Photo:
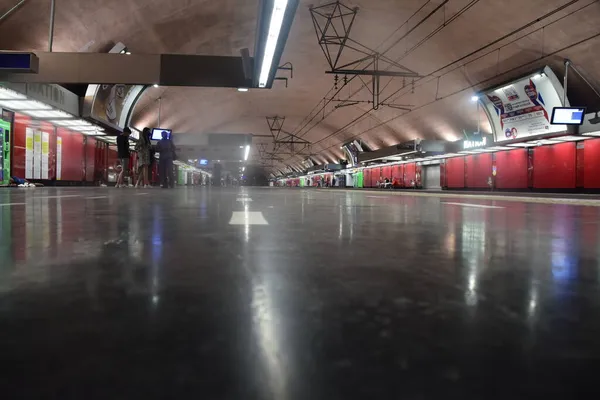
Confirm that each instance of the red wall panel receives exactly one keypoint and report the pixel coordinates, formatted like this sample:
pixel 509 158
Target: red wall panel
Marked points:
pixel 374 177
pixel 410 174
pixel 478 169
pixel 366 177
pixel 554 167
pixel 398 174
pixel 511 169
pixel 90 158
pixel 387 172
pixel 591 164
pixel 73 164
pixel 579 156
pixel 17 166
pixel 455 172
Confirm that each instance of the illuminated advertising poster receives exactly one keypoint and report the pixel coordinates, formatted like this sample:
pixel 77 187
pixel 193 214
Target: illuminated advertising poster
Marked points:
pixel 523 108
pixel 111 104
pixel 58 158
pixel 29 153
pixel 45 154
pixel 37 154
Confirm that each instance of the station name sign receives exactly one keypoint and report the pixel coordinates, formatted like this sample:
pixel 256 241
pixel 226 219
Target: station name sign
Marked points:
pixel 473 144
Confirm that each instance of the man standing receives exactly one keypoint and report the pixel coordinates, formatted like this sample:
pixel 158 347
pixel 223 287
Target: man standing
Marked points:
pixel 166 149
pixel 123 152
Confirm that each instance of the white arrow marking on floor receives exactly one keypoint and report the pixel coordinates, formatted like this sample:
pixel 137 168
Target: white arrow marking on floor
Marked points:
pixel 471 205
pixel 13 204
pixel 242 200
pixel 247 218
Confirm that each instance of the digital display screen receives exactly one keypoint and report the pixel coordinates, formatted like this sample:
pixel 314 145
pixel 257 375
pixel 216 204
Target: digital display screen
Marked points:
pixel 157 133
pixel 203 162
pixel 567 116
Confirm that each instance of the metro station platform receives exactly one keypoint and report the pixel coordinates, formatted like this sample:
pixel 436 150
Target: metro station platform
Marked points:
pixel 258 293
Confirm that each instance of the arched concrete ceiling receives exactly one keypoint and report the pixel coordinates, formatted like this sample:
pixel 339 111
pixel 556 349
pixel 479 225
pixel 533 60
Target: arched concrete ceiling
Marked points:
pixel 533 33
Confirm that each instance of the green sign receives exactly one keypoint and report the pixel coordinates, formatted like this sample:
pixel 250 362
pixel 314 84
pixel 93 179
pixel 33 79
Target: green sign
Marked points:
pixel 4 152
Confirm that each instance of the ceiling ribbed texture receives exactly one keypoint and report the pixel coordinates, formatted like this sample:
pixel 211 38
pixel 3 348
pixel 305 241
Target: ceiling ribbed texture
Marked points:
pixel 464 46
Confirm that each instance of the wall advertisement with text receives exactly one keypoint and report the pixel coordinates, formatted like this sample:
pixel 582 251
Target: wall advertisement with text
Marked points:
pixel 523 108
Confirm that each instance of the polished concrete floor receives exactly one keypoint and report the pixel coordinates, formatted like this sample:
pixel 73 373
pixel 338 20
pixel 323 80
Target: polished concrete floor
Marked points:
pixel 295 294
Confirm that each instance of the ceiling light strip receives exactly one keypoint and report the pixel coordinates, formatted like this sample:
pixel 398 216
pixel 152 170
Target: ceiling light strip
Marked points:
pixel 279 7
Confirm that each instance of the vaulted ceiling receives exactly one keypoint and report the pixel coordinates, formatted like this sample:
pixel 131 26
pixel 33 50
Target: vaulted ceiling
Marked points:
pixel 457 46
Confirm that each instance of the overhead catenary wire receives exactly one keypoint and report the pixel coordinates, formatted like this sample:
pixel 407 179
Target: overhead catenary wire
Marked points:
pixel 423 20
pixel 435 76
pixel 583 41
pixel 417 25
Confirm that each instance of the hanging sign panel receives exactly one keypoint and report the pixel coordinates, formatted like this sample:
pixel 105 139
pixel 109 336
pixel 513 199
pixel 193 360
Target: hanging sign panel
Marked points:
pixel 523 109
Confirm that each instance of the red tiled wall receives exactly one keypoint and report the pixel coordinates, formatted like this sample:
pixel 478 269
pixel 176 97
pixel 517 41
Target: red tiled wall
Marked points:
pixel 554 167
pixel 398 174
pixel 591 164
pixel 511 169
pixel 73 163
pixel 90 159
pixel 410 174
pixel 478 168
pixel 455 173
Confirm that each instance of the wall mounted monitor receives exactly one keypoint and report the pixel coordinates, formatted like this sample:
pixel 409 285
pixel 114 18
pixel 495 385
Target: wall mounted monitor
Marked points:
pixel 568 115
pixel 203 162
pixel 157 133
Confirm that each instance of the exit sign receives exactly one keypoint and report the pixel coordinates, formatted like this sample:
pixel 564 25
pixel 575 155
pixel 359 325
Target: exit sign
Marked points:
pixel 12 61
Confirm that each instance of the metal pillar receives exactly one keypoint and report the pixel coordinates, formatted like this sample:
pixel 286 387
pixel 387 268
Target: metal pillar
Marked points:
pixel 51 29
pixel 9 12
pixel 159 107
pixel 566 81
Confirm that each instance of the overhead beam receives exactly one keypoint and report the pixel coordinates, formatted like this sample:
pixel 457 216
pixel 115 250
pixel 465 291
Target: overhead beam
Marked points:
pixel 140 69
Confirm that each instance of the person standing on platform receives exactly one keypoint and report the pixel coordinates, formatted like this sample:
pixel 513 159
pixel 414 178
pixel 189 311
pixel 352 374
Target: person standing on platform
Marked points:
pixel 144 148
pixel 123 153
pixel 166 149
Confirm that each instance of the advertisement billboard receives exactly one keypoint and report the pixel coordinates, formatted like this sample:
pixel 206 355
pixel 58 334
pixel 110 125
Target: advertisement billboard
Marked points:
pixel 523 108
pixel 111 105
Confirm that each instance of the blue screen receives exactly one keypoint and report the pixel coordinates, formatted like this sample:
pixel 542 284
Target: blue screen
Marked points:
pixel 15 61
pixel 203 162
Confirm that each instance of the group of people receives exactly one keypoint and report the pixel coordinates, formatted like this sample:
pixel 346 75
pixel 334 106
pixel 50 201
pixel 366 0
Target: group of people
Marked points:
pixel 146 150
pixel 387 184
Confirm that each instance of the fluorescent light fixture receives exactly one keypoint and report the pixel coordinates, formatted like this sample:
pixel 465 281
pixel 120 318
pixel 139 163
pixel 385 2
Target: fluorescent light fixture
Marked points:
pixel 474 99
pixel 7 94
pixel 242 89
pixel 279 7
pixel 71 122
pixel 20 105
pixel 594 134
pixel 85 128
pixel 128 52
pixel 247 152
pixel 526 144
pixel 571 138
pixel 48 114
